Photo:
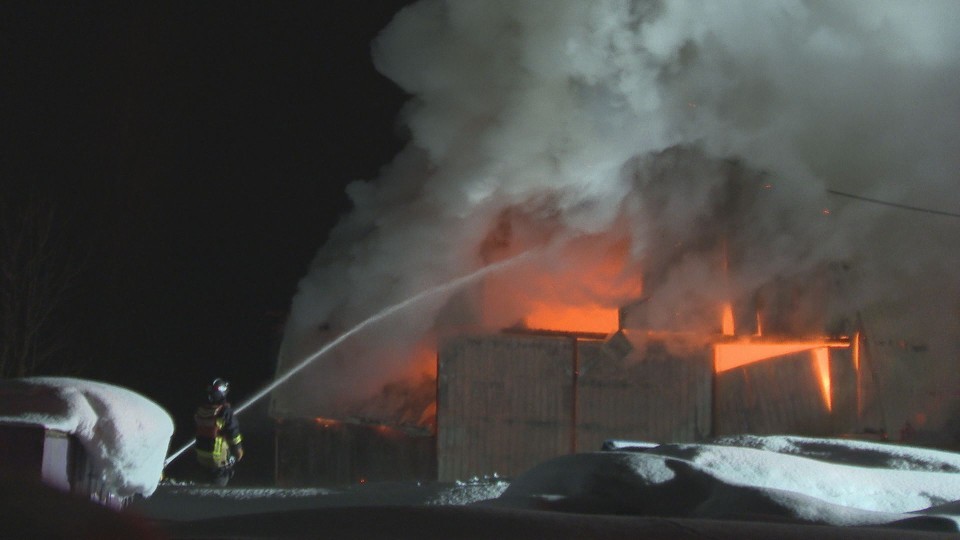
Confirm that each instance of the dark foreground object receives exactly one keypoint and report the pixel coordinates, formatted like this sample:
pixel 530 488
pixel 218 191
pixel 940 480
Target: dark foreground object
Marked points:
pixel 474 522
pixel 29 509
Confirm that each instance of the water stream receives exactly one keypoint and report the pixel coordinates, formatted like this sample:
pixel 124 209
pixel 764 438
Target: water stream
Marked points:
pixel 386 312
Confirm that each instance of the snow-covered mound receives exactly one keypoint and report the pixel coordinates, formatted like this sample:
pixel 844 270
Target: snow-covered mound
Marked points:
pixel 823 481
pixel 469 492
pixel 125 435
pixel 852 452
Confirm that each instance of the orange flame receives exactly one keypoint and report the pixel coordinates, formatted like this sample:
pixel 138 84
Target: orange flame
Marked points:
pixel 821 359
pixel 727 325
pixel 580 289
pixel 729 356
pixel 590 318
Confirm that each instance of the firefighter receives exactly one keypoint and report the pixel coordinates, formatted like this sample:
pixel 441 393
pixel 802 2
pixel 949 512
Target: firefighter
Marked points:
pixel 219 443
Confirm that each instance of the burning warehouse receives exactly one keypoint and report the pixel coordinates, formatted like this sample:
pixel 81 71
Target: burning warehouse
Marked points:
pixel 507 400
pixel 647 200
pixel 560 343
pixel 562 347
pixel 510 400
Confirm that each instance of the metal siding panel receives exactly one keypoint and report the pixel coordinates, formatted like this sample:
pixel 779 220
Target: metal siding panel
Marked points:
pixel 504 398
pixel 310 453
pixel 780 395
pixel 643 395
pixel 843 378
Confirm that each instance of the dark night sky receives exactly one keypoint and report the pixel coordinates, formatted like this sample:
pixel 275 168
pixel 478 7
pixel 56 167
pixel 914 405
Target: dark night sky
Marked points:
pixel 197 153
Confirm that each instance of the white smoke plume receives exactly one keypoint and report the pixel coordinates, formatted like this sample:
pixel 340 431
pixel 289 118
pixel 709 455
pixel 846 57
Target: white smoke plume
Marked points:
pixel 675 130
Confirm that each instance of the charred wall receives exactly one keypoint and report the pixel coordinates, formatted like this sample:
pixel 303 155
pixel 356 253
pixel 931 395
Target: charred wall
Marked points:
pixel 312 452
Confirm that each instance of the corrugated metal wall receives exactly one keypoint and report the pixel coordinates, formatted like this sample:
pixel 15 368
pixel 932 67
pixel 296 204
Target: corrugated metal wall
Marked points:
pixel 779 395
pixel 847 396
pixel 508 402
pixel 312 453
pixel 647 394
pixel 505 403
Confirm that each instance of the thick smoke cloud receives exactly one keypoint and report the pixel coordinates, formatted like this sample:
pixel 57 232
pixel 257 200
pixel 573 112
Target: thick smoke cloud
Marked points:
pixel 688 132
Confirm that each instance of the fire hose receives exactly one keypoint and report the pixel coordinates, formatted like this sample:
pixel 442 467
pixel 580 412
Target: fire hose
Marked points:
pixel 384 313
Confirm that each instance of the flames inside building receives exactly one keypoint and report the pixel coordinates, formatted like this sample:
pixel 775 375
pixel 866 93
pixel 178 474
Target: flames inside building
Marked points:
pixel 564 351
pixel 505 400
pixel 510 400
pixel 671 336
pixel 644 223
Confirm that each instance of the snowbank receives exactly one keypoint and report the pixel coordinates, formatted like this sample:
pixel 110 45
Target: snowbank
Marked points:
pixel 821 481
pixel 735 487
pixel 124 434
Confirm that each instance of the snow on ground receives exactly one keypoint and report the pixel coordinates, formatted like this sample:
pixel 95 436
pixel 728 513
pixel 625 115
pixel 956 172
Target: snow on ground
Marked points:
pixel 851 451
pixel 835 482
pixel 737 480
pixel 125 435
pixel 472 491
pixel 192 502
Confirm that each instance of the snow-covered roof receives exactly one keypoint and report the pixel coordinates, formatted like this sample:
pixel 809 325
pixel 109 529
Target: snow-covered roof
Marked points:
pixel 125 435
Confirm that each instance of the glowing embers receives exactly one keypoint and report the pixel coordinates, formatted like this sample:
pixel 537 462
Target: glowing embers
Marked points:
pixel 367 427
pixel 590 318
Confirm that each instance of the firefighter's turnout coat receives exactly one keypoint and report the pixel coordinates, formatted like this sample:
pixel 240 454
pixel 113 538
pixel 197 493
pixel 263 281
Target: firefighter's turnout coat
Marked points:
pixel 218 435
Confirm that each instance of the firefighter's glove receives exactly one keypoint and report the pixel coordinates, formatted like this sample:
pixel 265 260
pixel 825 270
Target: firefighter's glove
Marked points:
pixel 237 452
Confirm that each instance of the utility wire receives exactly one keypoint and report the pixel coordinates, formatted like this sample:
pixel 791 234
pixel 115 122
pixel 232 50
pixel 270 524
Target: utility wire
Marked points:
pixel 895 205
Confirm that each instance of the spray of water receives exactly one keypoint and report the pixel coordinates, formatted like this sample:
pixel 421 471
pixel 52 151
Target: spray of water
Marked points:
pixel 383 314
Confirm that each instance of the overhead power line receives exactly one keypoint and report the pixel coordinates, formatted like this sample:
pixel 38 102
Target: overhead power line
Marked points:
pixel 893 204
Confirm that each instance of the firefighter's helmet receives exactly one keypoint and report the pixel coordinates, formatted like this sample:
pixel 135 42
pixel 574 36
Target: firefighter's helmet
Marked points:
pixel 217 391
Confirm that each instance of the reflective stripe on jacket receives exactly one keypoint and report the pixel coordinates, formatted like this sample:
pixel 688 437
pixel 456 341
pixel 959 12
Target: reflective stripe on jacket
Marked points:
pixel 217 434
